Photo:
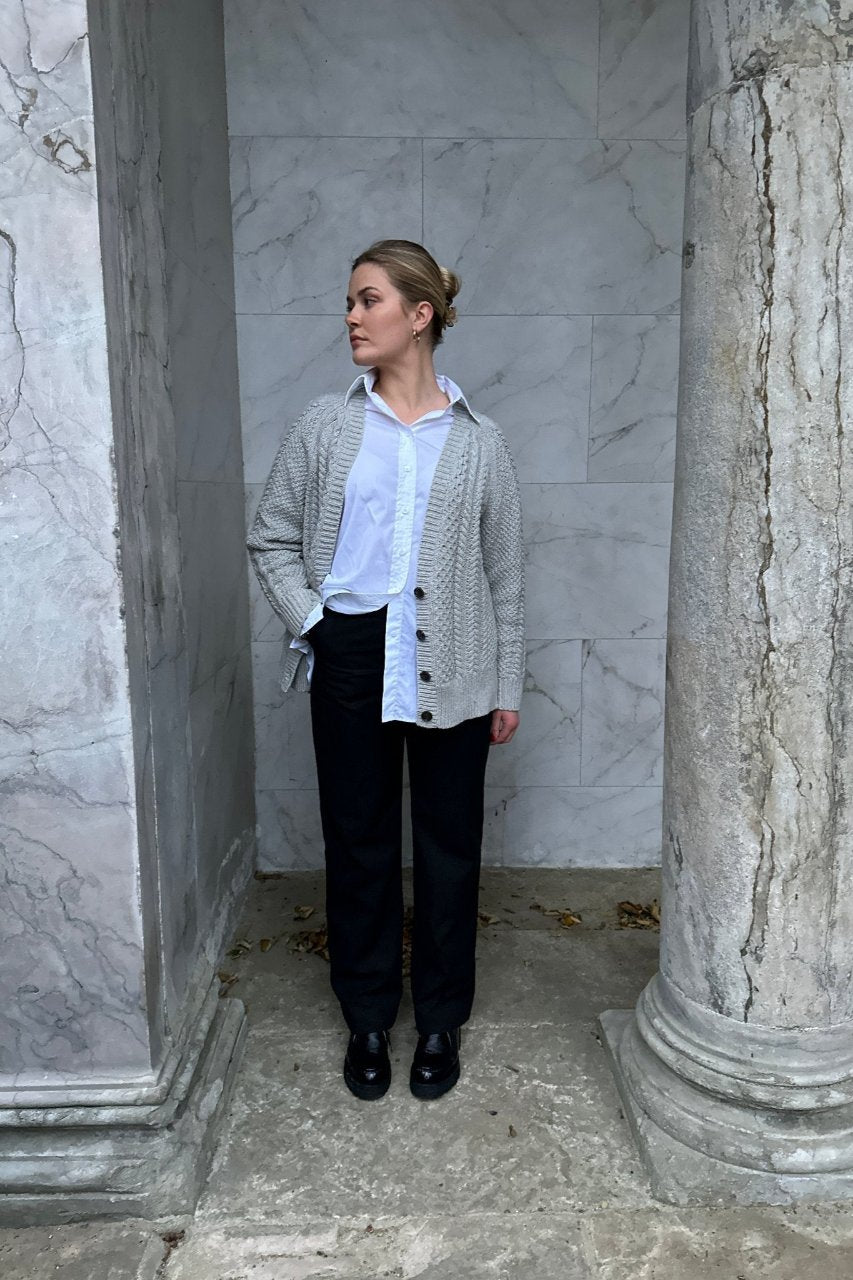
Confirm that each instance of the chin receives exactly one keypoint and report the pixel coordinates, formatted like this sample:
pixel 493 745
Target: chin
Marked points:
pixel 360 356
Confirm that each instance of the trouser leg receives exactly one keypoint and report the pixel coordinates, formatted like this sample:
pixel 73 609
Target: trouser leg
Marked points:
pixel 359 771
pixel 446 773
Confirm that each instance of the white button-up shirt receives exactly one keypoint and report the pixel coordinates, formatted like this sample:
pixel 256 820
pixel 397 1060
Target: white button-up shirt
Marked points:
pixel 376 553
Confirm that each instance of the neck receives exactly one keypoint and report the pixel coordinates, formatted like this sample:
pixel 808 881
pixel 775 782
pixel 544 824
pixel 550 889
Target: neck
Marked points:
pixel 410 383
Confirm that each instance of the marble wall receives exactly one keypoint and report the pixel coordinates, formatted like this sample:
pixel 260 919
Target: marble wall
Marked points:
pixel 188 53
pixel 539 151
pixel 126 744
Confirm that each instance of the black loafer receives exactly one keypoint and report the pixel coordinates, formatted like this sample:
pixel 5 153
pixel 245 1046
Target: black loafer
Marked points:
pixel 367 1067
pixel 435 1066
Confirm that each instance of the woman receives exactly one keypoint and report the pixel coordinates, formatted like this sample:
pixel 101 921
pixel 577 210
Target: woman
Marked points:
pixel 388 540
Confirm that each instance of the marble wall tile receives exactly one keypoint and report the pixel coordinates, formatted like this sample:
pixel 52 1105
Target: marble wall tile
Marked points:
pixel 284 362
pixel 223 771
pixel 303 208
pixel 642 79
pixel 531 374
pixel 623 702
pixel 634 397
pixel 582 827
pixel 214 574
pixel 401 67
pixel 597 559
pixel 289 835
pixel 558 227
pixel 187 49
pixel 204 379
pixel 546 748
pixel 283 743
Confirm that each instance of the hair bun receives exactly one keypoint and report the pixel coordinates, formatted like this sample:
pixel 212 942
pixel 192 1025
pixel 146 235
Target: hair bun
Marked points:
pixel 452 285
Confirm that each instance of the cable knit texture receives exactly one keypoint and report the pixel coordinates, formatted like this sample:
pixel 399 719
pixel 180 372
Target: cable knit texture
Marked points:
pixel 470 563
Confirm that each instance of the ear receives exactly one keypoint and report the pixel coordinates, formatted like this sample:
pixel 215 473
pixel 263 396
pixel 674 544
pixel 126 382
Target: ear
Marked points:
pixel 423 313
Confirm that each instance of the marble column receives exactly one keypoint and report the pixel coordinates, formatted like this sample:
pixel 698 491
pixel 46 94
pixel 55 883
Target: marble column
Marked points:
pixel 116 1052
pixel 736 1068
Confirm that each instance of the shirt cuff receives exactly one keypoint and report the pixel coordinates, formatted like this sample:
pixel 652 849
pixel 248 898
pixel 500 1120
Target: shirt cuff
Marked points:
pixel 313 618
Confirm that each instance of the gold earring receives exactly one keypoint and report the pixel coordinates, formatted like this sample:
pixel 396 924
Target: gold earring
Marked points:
pixel 416 335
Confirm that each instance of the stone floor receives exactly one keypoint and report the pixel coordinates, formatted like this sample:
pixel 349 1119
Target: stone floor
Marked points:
pixel 525 1170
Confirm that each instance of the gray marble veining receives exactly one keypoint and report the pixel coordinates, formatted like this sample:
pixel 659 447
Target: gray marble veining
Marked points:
pixel 597 558
pixel 531 374
pixel 71 987
pixel 303 209
pixel 633 397
pixel 401 68
pixel 622 706
pixel 642 78
pixel 543 227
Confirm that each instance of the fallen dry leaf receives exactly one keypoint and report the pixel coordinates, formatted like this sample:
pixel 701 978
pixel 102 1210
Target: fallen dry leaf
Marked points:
pixel 633 915
pixel 512 1132
pixel 266 943
pixel 485 918
pixel 568 918
pixel 226 980
pixel 241 946
pixel 302 913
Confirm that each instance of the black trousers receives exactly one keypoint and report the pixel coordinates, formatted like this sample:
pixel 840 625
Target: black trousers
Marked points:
pixel 360 773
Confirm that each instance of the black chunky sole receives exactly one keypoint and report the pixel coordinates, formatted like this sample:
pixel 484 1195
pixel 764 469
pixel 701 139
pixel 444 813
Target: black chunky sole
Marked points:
pixel 366 1092
pixel 434 1088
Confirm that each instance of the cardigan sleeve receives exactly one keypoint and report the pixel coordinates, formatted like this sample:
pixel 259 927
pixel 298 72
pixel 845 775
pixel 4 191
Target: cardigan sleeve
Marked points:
pixel 275 539
pixel 501 533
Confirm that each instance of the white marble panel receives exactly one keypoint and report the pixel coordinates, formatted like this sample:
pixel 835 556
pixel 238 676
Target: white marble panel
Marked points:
pixel 544 227
pixel 284 748
pixel 580 826
pixel 284 362
pixel 531 374
pixel 546 748
pixel 517 67
pixel 72 983
pixel 623 698
pixel 303 208
pixel 634 397
pixel 223 772
pixel 597 559
pixel 204 383
pixel 642 87
pixel 187 46
pixel 214 574
pixel 289 834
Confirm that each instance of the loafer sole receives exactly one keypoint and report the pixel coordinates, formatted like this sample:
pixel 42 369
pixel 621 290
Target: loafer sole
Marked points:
pixel 363 1089
pixel 434 1088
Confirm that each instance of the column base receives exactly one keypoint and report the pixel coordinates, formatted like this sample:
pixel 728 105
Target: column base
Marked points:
pixel 680 1174
pixel 121 1161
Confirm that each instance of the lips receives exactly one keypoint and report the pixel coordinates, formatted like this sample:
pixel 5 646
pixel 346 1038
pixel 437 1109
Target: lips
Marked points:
pixel 354 340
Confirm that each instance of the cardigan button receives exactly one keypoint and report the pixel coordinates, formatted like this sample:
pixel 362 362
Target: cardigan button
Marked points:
pixel 425 675
pixel 420 634
pixel 426 715
pixel 419 593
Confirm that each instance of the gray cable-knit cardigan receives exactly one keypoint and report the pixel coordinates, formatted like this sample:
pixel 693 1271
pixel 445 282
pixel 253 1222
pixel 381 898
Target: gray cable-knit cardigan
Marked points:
pixel 470 590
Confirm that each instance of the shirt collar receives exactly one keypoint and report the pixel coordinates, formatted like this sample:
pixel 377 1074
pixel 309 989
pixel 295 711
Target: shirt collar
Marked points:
pixel 367 379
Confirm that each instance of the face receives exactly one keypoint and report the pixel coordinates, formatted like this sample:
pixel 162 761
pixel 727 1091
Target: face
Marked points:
pixel 378 318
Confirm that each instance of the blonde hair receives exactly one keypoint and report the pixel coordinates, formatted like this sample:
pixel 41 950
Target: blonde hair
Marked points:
pixel 417 276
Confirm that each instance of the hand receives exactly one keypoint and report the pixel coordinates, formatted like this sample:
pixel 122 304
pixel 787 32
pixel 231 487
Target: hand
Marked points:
pixel 504 725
